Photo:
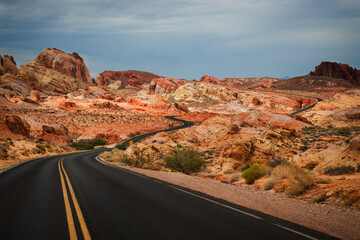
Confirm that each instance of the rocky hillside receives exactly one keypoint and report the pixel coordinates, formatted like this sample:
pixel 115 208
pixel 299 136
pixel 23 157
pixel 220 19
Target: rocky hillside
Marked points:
pixel 238 83
pixel 314 83
pixel 337 70
pixel 124 79
pixel 58 71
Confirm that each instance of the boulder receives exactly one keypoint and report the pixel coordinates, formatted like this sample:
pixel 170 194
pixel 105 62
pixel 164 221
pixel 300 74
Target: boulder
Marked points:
pixel 17 125
pixel 233 129
pixel 56 133
pixel 8 65
pixel 35 96
pixel 256 101
pixel 355 143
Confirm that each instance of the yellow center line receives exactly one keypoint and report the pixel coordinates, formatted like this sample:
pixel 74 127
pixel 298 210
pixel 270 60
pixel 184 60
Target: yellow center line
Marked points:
pixel 80 216
pixel 70 219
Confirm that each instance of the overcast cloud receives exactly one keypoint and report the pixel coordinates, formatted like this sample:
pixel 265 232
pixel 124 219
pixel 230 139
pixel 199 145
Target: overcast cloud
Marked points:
pixel 189 38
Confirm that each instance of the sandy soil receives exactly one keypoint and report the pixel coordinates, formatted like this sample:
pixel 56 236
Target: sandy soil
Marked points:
pixel 335 221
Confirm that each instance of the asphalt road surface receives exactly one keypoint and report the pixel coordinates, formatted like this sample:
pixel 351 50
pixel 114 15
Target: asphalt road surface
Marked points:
pixel 74 196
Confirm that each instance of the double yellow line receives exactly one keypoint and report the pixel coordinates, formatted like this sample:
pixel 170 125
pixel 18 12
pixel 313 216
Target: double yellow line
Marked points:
pixel 69 215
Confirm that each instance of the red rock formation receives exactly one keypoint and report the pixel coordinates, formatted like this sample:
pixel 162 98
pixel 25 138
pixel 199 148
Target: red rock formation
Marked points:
pixel 160 86
pixel 17 126
pixel 71 65
pixel 124 79
pixel 103 105
pixel 8 65
pixel 57 71
pixel 210 79
pixel 337 70
pixel 135 102
pixel 109 137
pixel 267 84
pixel 35 96
pixel 353 114
pixel 256 101
pixel 106 97
pixel 56 134
pixel 355 143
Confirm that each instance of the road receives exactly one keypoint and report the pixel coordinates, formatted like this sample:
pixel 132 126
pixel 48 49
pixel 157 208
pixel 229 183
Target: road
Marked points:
pixel 74 196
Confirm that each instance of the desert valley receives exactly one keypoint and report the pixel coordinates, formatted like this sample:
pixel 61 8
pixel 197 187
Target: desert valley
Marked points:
pixel 297 138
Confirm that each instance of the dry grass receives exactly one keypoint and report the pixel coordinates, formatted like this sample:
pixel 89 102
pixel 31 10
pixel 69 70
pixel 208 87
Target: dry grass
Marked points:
pixel 299 179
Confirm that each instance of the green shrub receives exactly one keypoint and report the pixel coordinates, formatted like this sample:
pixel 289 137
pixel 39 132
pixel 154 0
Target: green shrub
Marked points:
pixel 184 160
pixel 88 144
pixel 122 146
pixel 340 170
pixel 269 185
pixel 253 173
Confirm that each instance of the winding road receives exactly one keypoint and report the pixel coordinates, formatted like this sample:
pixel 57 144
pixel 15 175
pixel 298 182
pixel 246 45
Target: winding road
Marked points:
pixel 74 196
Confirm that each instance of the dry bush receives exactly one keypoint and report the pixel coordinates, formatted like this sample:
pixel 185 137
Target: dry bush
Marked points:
pixel 300 180
pixel 235 177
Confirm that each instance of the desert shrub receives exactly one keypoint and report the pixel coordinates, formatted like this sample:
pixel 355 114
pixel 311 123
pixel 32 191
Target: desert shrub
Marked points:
pixel 300 180
pixel 184 160
pixel 275 161
pixel 349 199
pixel 298 186
pixel 122 146
pixel 254 172
pixel 340 170
pixel 88 144
pixel 286 171
pixel 235 177
pixel 269 185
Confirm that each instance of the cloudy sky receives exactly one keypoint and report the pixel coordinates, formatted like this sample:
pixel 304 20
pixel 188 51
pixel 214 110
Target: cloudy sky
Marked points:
pixel 187 38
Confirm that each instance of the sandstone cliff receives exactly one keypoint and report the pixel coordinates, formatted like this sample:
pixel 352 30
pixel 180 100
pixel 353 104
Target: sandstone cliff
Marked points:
pixel 57 71
pixel 124 79
pixel 337 70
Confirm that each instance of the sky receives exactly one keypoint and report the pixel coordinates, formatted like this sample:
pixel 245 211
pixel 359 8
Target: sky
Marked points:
pixel 187 38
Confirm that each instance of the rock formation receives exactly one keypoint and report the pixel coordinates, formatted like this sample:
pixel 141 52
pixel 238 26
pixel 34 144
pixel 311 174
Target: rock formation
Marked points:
pixel 267 84
pixel 57 71
pixel 160 86
pixel 55 133
pixel 337 70
pixel 124 79
pixel 238 83
pixel 8 65
pixel 13 126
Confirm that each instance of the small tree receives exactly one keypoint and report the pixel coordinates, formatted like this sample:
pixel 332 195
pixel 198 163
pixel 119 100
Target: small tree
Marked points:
pixel 184 160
